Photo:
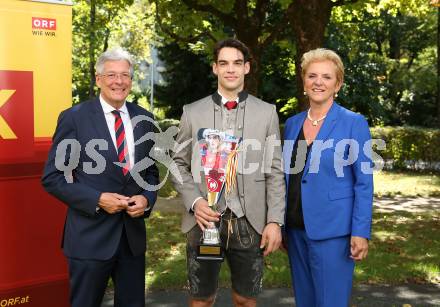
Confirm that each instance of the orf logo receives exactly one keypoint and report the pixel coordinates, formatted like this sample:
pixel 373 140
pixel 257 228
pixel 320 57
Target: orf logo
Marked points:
pixel 44 23
pixel 16 115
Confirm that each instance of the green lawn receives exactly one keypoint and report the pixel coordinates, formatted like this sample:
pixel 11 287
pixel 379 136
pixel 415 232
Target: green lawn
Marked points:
pixel 388 183
pixel 167 190
pixel 404 247
pixel 166 261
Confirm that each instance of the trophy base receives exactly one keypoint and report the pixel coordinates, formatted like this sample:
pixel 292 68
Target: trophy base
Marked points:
pixel 212 252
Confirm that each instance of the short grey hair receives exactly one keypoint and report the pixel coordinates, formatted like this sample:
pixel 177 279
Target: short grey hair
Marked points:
pixel 115 54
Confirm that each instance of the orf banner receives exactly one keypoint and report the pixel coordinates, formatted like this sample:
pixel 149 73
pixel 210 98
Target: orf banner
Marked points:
pixel 35 86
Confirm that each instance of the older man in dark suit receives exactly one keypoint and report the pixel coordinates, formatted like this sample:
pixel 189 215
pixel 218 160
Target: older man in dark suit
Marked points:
pixel 93 167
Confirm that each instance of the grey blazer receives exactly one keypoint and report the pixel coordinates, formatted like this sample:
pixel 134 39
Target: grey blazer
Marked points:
pixel 260 181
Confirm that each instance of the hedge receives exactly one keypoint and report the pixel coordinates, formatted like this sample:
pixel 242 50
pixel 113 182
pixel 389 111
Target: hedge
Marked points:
pixel 409 147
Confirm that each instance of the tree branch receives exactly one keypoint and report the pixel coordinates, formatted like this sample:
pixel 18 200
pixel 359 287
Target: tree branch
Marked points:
pixel 208 8
pixel 343 2
pixel 170 33
pixel 260 9
pixel 241 9
pixel 277 28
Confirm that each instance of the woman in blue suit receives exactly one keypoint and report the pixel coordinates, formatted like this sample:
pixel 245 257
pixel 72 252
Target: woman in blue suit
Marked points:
pixel 327 156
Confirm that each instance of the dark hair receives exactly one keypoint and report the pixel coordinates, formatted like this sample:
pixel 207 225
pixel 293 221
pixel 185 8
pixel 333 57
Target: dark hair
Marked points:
pixel 232 43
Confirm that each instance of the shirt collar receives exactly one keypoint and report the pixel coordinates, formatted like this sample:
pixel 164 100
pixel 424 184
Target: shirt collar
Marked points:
pixel 224 100
pixel 107 108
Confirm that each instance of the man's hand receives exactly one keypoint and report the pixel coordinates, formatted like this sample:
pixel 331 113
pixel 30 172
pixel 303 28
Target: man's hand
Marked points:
pixel 112 202
pixel 204 215
pixel 137 205
pixel 271 238
pixel 359 248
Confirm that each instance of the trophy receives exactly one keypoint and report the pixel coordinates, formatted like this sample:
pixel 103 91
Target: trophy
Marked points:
pixel 217 152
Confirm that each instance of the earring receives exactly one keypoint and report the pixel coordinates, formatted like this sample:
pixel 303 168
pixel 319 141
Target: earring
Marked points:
pixel 336 94
pixel 305 93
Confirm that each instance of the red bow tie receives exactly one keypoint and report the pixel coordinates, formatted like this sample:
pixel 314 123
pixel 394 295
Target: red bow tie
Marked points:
pixel 231 105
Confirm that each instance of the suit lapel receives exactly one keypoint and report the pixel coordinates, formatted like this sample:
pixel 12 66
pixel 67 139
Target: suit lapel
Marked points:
pixel 137 131
pixel 243 123
pixel 329 122
pixel 324 133
pixel 101 129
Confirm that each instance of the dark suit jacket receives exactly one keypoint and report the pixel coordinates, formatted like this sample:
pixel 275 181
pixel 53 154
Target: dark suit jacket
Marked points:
pixel 91 234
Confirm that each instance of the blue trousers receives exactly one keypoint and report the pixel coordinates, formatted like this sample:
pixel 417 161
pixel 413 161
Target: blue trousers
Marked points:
pixel 322 271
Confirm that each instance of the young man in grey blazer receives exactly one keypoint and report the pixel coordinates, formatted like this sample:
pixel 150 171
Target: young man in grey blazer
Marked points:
pixel 250 225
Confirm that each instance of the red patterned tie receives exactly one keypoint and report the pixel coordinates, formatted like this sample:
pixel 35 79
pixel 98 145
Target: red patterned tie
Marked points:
pixel 231 105
pixel 121 142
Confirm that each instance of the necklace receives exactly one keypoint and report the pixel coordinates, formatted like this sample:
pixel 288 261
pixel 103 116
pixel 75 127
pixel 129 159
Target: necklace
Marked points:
pixel 314 122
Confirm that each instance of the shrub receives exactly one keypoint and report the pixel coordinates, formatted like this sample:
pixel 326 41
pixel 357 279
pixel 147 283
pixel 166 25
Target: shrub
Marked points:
pixel 409 147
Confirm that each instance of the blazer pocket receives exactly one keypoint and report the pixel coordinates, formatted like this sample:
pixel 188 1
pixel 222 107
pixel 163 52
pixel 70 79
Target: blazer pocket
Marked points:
pixel 260 179
pixel 341 193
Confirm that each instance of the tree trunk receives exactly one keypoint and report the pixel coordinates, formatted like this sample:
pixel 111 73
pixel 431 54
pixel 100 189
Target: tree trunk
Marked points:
pixel 438 67
pixel 395 37
pixel 309 21
pixel 253 78
pixel 248 30
pixel 92 48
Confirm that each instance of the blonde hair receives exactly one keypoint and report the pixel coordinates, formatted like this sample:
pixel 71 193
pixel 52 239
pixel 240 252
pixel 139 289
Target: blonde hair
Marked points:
pixel 319 55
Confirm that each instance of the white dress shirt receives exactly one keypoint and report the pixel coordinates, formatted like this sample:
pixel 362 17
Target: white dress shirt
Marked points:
pixel 110 119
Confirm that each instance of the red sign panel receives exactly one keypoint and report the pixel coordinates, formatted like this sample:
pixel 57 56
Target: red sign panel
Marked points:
pixel 16 115
pixel 44 23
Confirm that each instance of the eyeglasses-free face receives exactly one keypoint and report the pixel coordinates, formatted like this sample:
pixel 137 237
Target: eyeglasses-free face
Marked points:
pixel 230 70
pixel 115 82
pixel 320 82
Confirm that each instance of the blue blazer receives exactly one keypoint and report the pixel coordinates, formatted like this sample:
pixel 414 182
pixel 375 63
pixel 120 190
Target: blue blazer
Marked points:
pixel 91 234
pixel 336 186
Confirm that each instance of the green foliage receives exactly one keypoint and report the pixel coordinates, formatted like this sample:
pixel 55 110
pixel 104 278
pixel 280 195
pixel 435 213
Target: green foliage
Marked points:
pixel 278 77
pixel 188 77
pixel 407 146
pixel 126 23
pixel 196 25
pixel 388 46
pixel 389 50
